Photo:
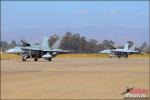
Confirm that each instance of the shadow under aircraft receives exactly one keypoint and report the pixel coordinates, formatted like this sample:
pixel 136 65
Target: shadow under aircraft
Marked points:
pixel 28 50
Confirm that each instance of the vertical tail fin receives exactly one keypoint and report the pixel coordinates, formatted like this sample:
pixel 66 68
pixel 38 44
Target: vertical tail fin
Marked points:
pixel 45 43
pixel 126 47
pixel 56 45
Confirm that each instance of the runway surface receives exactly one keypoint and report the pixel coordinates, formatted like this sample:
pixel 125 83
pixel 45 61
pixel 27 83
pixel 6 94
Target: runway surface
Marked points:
pixel 73 78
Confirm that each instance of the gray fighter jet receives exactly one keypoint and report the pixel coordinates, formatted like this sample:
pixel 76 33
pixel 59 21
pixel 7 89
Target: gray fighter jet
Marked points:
pixel 121 52
pixel 28 50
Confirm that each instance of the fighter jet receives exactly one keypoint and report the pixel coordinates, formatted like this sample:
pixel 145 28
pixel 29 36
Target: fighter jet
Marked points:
pixel 121 52
pixel 28 50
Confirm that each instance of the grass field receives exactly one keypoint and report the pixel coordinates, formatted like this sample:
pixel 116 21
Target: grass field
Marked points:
pixel 15 56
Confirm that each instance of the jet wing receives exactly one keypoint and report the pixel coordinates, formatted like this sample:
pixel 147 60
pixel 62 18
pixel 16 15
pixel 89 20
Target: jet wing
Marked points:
pixel 58 50
pixel 134 52
pixel 125 51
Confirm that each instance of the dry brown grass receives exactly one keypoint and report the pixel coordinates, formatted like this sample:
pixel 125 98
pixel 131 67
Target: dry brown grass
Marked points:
pixel 84 55
pixel 15 56
pixel 9 56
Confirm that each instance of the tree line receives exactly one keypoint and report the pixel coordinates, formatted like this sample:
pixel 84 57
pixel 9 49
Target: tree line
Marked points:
pixel 80 44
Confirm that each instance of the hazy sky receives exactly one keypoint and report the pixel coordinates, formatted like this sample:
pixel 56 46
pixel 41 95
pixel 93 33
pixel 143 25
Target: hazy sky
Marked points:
pixel 113 20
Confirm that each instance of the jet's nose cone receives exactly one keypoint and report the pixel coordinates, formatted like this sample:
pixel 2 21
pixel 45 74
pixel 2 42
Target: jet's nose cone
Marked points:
pixel 101 51
pixel 9 51
pixel 14 50
pixel 105 51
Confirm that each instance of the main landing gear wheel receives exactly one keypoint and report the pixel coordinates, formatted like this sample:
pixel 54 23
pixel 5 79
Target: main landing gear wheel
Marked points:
pixel 119 56
pixel 35 59
pixel 49 59
pixel 24 58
